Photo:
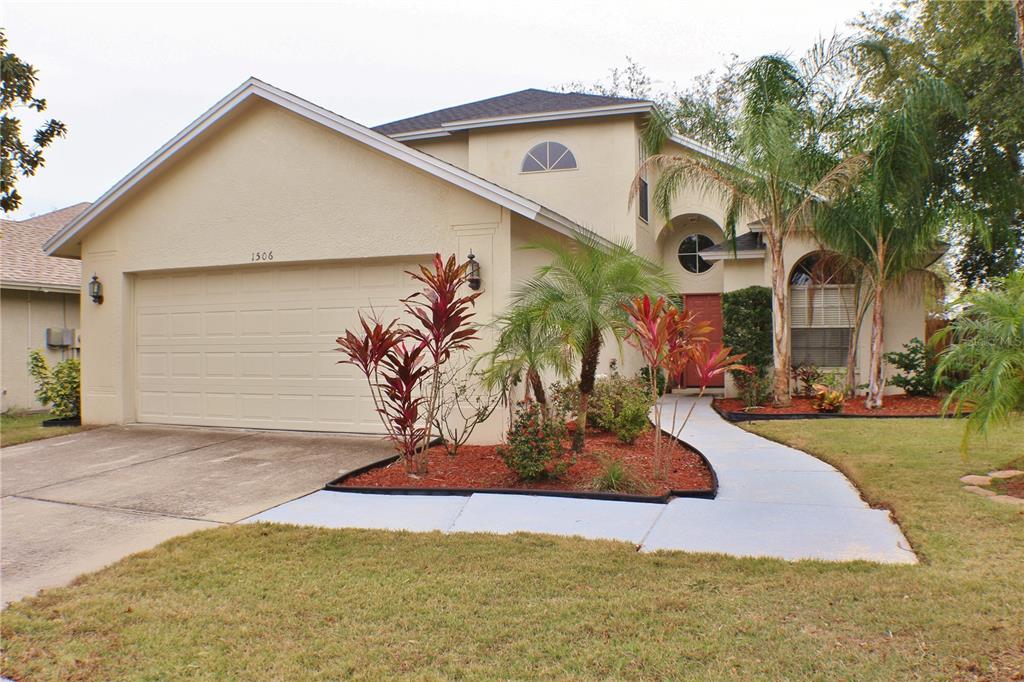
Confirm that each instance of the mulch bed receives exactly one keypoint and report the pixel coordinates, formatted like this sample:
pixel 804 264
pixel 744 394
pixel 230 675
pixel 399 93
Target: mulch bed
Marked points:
pixel 480 467
pixel 892 406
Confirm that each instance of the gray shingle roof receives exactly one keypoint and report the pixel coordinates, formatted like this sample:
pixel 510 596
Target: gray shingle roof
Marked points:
pixel 531 101
pixel 748 241
pixel 23 262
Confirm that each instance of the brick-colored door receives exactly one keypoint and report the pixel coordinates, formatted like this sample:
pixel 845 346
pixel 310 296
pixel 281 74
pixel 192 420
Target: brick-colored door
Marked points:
pixel 707 307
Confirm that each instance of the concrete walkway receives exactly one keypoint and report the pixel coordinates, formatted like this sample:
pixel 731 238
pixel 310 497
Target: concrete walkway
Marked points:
pixel 773 501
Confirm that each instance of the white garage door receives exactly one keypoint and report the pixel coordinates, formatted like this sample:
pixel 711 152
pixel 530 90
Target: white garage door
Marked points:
pixel 254 346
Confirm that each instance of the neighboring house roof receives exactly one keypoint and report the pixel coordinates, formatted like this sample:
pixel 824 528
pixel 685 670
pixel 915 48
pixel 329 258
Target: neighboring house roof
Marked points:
pixel 513 108
pixel 746 245
pixel 253 87
pixel 24 265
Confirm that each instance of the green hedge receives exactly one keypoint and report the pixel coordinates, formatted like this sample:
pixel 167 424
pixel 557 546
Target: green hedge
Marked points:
pixel 747 324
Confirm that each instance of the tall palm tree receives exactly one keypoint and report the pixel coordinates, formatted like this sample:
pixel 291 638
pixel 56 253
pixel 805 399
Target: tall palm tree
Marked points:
pixel 579 298
pixel 524 351
pixel 775 169
pixel 889 224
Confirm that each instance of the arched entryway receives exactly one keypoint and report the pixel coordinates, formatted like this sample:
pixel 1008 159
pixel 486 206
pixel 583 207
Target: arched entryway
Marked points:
pixel 700 280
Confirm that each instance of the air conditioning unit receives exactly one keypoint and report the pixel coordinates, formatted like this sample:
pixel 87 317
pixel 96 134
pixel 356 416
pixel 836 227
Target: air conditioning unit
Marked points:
pixel 61 337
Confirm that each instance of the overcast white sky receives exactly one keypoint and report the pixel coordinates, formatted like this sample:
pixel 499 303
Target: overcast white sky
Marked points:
pixel 126 77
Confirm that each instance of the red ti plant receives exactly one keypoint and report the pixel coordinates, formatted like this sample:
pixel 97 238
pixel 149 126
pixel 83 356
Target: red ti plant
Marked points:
pixel 402 362
pixel 664 335
pixel 710 365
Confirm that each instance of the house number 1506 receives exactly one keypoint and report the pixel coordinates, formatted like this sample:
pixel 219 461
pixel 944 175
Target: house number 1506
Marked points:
pixel 262 255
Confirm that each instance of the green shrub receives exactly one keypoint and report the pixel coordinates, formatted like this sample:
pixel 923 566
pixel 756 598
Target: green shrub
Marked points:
pixel 616 477
pixel 611 395
pixel 747 324
pixel 563 401
pixel 533 443
pixel 917 366
pixel 632 420
pixel 662 381
pixel 754 388
pixel 59 388
pixel 805 376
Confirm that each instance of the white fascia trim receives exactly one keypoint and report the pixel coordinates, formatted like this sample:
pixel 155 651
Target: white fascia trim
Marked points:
pixel 547 116
pixel 707 151
pixel 39 286
pixel 255 87
pixel 739 255
pixel 431 134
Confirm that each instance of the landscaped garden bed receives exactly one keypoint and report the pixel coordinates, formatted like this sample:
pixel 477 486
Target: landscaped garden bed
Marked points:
pixel 481 468
pixel 734 409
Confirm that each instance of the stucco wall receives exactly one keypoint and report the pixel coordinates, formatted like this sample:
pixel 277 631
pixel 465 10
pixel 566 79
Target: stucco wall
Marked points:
pixel 24 318
pixel 268 180
pixel 453 149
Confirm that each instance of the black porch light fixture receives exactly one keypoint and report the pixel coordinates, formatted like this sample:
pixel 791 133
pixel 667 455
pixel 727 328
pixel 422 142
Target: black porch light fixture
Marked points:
pixel 472 272
pixel 95 289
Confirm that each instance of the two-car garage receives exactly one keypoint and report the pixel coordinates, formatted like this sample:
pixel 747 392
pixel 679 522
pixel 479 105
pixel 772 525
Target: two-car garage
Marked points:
pixel 253 346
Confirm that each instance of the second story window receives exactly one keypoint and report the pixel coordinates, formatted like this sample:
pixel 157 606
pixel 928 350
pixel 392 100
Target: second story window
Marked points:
pixel 643 201
pixel 548 156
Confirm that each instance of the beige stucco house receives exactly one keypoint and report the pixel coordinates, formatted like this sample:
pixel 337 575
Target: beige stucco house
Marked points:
pixel 38 303
pixel 234 256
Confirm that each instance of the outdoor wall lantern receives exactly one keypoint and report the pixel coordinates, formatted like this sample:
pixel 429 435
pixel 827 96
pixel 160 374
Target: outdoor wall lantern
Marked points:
pixel 472 272
pixel 95 289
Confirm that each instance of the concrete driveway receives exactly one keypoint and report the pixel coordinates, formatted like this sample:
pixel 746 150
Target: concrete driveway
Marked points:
pixel 77 503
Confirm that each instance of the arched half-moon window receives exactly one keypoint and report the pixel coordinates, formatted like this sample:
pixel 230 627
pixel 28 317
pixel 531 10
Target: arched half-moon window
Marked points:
pixel 548 156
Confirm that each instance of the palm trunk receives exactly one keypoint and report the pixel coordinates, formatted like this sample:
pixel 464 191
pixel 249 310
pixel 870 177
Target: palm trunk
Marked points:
pixel 876 382
pixel 588 371
pixel 780 324
pixel 535 383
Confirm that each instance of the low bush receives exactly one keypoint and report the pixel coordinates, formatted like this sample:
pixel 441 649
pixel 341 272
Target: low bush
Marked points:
pixel 615 476
pixel 916 364
pixel 533 443
pixel 827 399
pixel 563 401
pixel 59 388
pixel 754 388
pixel 805 377
pixel 614 395
pixel 632 420
pixel 662 381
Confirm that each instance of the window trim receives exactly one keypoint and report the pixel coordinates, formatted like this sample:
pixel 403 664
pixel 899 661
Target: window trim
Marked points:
pixel 529 155
pixel 680 254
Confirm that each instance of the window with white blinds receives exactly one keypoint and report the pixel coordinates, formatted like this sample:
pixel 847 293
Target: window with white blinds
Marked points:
pixel 830 305
pixel 821 318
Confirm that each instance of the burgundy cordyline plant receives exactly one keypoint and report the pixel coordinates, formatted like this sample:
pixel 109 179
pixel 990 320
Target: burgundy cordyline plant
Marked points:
pixel 665 336
pixel 402 362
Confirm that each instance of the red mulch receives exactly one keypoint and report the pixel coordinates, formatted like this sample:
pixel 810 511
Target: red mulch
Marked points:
pixel 893 405
pixel 479 466
pixel 1014 487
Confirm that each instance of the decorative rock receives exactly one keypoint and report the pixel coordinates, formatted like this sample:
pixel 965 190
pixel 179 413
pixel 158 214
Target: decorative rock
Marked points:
pixel 1005 473
pixel 975 480
pixel 1008 499
pixel 984 492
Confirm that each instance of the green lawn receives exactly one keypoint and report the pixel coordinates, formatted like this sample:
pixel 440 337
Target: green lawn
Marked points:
pixel 18 428
pixel 278 602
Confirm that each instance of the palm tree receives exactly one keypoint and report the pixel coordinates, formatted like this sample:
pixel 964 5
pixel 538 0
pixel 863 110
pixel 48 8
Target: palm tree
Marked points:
pixel 579 297
pixel 888 225
pixel 987 348
pixel 776 166
pixel 524 351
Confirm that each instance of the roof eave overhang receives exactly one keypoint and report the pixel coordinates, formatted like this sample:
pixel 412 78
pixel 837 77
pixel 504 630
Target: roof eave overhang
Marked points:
pixel 446 129
pixel 40 286
pixel 728 255
pixel 254 87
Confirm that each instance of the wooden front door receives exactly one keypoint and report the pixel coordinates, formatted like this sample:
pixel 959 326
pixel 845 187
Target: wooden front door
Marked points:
pixel 708 308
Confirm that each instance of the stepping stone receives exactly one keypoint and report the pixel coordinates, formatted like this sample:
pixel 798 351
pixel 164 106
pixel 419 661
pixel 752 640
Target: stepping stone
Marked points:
pixel 984 492
pixel 973 479
pixel 1006 473
pixel 592 519
pixel 1008 499
pixel 330 509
